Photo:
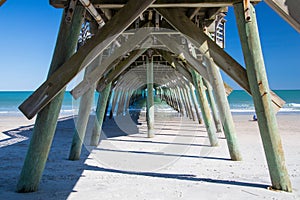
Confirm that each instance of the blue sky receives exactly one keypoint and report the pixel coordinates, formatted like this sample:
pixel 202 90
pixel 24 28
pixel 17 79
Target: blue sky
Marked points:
pixel 29 30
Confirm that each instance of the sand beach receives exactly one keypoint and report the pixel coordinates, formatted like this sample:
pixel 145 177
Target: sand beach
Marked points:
pixel 177 163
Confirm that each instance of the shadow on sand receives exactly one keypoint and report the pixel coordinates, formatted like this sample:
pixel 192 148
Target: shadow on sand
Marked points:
pixel 61 175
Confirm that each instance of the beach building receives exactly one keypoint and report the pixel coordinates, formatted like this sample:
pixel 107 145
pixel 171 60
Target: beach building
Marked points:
pixel 167 50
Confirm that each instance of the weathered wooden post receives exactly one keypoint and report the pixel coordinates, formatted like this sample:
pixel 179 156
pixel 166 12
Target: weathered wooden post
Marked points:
pixel 85 106
pixel 172 100
pixel 208 121
pixel 187 110
pixel 182 102
pixel 117 102
pixel 121 102
pixel 86 102
pixel 114 102
pixel 187 96
pixel 46 120
pixel 211 101
pixel 100 114
pixel 150 98
pixel 248 31
pixel 224 110
pixel 177 100
pixel 130 95
pixel 195 102
pixel 126 102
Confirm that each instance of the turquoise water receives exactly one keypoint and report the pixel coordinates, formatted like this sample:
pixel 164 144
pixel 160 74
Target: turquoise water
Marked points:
pixel 239 101
pixel 9 102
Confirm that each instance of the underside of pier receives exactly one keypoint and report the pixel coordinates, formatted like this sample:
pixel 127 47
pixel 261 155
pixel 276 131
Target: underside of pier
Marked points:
pixel 150 51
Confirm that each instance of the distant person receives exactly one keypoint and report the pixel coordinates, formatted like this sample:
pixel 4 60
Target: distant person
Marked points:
pixel 254 117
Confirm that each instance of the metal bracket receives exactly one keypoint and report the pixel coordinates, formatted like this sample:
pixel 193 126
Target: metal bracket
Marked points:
pixel 70 10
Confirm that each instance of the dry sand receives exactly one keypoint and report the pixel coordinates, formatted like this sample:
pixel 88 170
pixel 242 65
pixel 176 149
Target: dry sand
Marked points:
pixel 176 164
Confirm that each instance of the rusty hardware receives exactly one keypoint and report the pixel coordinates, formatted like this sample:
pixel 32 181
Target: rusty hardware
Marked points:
pixel 247 10
pixel 70 10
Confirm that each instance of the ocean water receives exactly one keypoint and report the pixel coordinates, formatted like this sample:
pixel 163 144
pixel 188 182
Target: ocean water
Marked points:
pixel 10 101
pixel 239 100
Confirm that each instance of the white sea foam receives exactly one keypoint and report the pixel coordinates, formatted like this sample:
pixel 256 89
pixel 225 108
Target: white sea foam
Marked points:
pixel 293 105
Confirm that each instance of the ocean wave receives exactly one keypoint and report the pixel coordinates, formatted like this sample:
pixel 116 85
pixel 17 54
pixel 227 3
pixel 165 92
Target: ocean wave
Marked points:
pixel 242 110
pixel 293 105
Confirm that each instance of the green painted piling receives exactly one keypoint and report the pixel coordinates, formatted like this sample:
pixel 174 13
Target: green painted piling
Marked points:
pixel 207 118
pixel 46 120
pixel 150 99
pixel 224 110
pixel 85 106
pixel 196 106
pixel 248 32
pixel 100 114
pixel 211 101
pixel 187 96
pixel 113 104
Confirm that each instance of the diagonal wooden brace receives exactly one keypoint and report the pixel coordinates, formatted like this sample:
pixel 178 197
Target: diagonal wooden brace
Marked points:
pixel 206 46
pixel 85 55
pixel 119 68
pixel 184 54
pixel 91 78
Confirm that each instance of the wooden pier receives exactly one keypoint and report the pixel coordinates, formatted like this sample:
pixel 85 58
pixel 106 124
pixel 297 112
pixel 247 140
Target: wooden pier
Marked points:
pixel 167 49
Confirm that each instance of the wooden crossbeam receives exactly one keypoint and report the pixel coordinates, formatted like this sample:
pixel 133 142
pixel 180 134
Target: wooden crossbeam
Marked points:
pixel 111 4
pixel 288 10
pixel 228 64
pixel 85 55
pixel 119 68
pixel 175 64
pixel 175 47
pixel 2 2
pixel 92 77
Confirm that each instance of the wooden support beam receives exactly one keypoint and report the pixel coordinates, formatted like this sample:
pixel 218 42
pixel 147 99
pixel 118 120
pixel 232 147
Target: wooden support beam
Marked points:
pixel 97 73
pixel 193 53
pixel 119 68
pixel 288 10
pixel 175 100
pixel 113 103
pixel 170 4
pixel 187 94
pixel 224 110
pixel 85 106
pixel 118 102
pixel 86 102
pixel 195 102
pixel 212 103
pixel 186 107
pixel 256 72
pixel 126 103
pixel 180 101
pixel 207 118
pixel 187 100
pixel 176 48
pixel 150 98
pixel 188 110
pixel 46 120
pixel 87 53
pixel 229 65
pixel 174 63
pixel 2 2
pixel 223 105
